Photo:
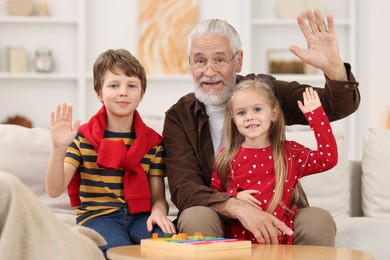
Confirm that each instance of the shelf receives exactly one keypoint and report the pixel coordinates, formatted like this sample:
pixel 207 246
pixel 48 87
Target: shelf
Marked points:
pixel 37 20
pixel 290 22
pixel 37 76
pixel 300 77
pixel 175 77
pixel 156 77
pixel 266 31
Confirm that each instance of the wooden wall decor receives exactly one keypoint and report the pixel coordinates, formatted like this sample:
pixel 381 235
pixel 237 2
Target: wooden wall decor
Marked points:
pixel 163 27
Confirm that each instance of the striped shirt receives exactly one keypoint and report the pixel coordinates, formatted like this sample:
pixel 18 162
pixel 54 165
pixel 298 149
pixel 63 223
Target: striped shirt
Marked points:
pixel 101 190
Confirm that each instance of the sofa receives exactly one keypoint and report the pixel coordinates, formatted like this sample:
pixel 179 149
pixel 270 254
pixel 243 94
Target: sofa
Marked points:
pixel 356 193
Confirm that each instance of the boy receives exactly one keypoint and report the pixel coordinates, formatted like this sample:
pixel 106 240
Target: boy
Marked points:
pixel 113 165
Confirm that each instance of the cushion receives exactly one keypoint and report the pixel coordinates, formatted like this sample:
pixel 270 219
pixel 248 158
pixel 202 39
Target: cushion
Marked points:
pixel 155 122
pixel 368 234
pixel 376 173
pixel 24 152
pixel 329 190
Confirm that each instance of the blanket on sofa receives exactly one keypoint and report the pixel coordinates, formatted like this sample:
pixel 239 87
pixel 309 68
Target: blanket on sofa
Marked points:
pixel 29 230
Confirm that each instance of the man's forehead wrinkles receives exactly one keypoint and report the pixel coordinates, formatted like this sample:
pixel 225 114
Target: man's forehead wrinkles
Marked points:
pixel 200 53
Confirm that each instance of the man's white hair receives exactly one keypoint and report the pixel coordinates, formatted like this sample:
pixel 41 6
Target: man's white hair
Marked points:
pixel 219 27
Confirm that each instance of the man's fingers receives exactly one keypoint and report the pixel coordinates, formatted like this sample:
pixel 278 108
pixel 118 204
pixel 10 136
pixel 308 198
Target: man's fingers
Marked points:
pixel 312 21
pixel 273 234
pixel 304 27
pixel 268 233
pixel 282 227
pixel 320 21
pixel 259 237
pixel 263 236
pixel 331 28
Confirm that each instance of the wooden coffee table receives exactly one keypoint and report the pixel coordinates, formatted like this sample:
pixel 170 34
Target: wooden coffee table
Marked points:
pixel 269 252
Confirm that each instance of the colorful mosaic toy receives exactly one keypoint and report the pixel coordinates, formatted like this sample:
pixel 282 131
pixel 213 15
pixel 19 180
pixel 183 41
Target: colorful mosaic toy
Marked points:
pixel 197 242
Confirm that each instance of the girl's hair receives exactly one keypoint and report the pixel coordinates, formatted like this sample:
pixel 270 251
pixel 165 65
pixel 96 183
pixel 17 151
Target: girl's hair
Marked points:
pixel 234 139
pixel 117 59
pixel 216 26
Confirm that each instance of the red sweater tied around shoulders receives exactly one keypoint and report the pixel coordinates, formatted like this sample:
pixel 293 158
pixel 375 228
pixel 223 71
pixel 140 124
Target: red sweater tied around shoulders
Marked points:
pixel 114 154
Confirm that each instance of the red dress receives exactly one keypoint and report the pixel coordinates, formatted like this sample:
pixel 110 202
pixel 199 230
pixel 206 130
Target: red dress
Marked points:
pixel 253 168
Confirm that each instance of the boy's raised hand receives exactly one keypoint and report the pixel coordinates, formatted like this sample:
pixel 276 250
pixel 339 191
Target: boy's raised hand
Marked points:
pixel 311 101
pixel 62 133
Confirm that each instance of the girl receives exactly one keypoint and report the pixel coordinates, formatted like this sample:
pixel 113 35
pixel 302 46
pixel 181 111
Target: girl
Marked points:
pixel 257 165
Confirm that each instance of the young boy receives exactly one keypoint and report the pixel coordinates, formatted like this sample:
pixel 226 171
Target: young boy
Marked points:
pixel 113 166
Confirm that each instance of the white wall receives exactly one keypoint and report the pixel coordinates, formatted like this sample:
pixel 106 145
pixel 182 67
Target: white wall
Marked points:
pixel 373 59
pixel 118 29
pixel 113 24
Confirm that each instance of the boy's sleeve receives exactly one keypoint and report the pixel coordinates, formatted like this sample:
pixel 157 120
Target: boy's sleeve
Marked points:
pixel 157 161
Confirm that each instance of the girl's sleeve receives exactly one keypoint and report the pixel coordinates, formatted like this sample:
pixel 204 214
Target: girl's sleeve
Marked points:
pixel 325 157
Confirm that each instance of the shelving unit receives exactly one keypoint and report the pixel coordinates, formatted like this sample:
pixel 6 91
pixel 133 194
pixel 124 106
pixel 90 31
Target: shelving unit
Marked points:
pixel 81 29
pixel 66 83
pixel 38 20
pixel 265 30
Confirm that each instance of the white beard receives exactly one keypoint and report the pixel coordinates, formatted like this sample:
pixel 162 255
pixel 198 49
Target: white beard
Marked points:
pixel 211 98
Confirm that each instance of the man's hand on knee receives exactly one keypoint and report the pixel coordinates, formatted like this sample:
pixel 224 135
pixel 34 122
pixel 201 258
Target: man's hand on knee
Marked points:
pixel 265 227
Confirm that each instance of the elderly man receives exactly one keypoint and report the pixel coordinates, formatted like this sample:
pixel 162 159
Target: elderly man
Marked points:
pixel 193 129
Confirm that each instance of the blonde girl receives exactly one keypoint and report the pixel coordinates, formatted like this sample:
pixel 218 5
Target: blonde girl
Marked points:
pixel 257 165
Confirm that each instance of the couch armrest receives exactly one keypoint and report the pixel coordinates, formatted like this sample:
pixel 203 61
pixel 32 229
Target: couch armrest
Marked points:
pixel 356 194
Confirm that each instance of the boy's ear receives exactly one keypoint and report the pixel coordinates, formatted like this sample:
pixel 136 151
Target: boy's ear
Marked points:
pixel 99 97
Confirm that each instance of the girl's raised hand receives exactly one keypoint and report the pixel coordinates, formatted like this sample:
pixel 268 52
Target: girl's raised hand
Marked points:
pixel 311 101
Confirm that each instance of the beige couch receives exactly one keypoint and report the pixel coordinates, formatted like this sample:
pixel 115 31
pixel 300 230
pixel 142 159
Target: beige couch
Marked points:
pixel 356 193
